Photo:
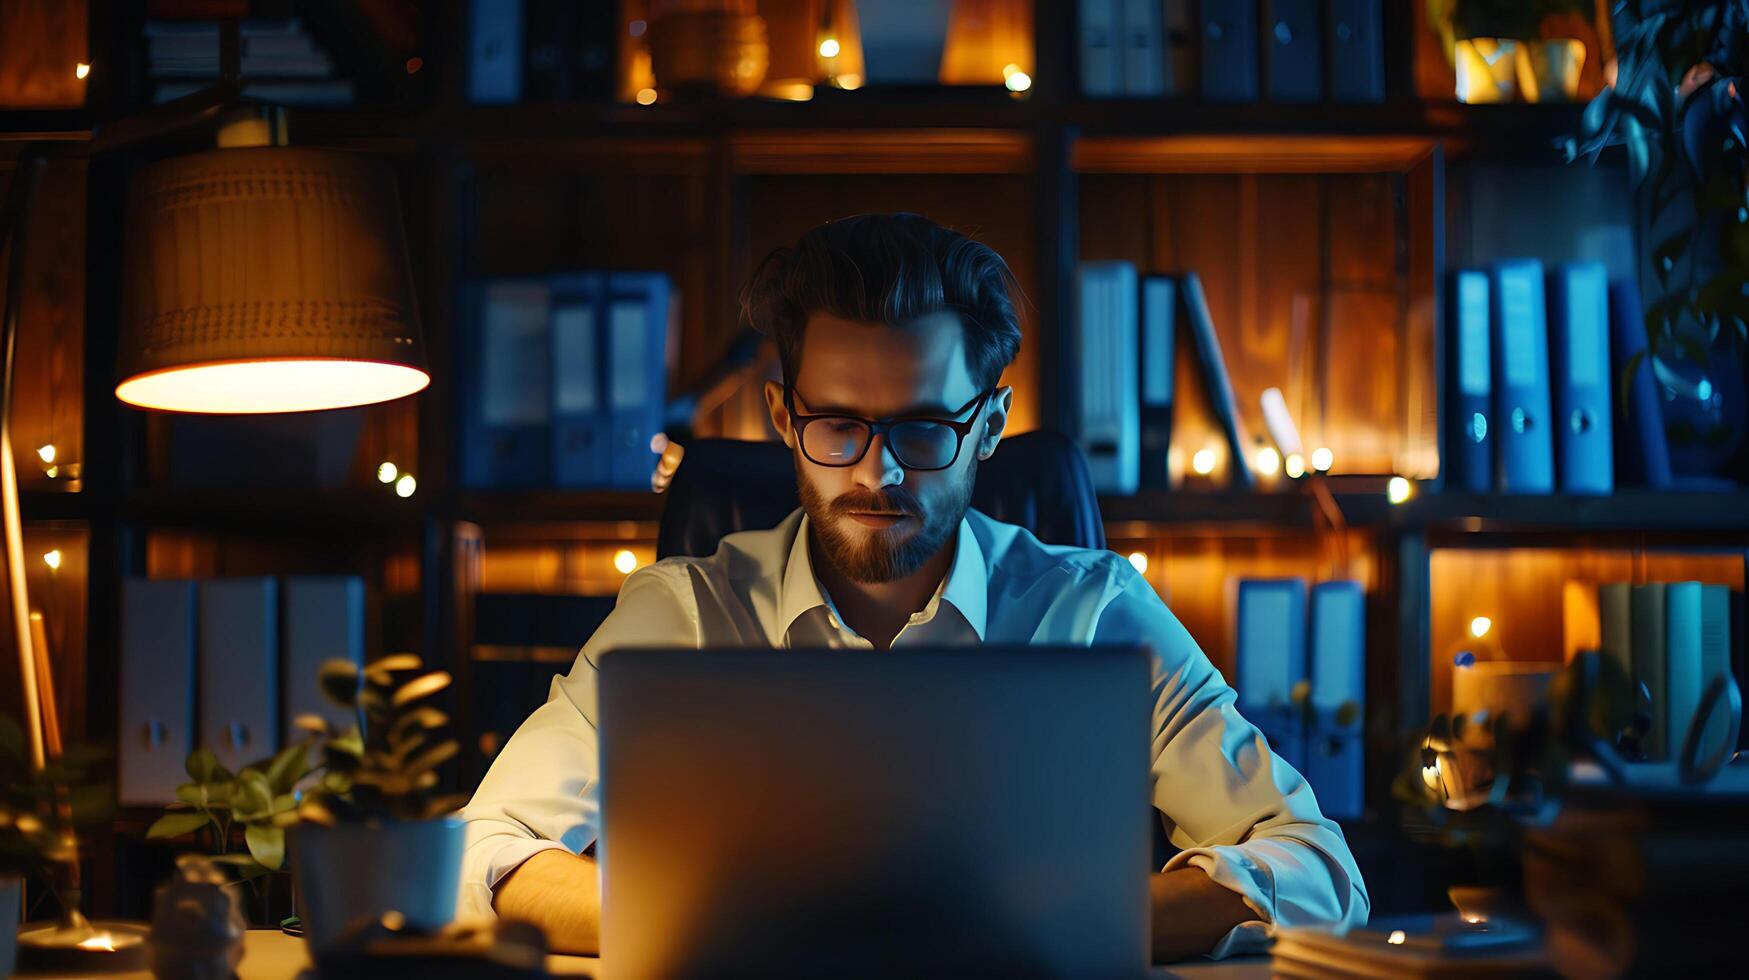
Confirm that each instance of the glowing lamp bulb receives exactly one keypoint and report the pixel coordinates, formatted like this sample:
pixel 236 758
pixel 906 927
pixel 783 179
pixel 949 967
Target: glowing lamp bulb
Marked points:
pixel 1294 466
pixel 1203 462
pixel 1268 461
pixel 1018 81
pixel 1398 490
pixel 1139 561
pixel 1480 626
pixel 387 472
pixel 405 486
pixel 1398 937
pixel 46 453
pixel 1323 459
pixel 646 96
pixel 829 48
pixel 625 561
pixel 52 558
pixel 81 70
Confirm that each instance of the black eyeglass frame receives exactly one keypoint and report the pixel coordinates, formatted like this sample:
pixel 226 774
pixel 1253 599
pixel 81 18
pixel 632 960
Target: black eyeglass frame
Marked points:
pixel 878 427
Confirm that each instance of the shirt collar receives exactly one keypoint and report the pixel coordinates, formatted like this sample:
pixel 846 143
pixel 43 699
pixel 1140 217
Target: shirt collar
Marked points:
pixel 966 587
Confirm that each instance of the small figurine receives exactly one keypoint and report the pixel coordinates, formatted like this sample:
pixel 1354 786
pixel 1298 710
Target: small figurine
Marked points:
pixel 197 925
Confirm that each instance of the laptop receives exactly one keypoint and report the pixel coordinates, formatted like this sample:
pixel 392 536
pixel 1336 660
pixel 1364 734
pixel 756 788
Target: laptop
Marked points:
pixel 834 812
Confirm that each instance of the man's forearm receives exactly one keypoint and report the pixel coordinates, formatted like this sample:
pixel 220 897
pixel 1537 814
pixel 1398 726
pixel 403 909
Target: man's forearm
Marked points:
pixel 1190 913
pixel 561 893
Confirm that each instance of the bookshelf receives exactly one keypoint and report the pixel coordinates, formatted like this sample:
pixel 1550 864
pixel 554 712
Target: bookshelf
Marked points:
pixel 702 189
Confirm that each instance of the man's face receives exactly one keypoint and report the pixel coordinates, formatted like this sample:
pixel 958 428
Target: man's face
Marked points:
pixel 876 520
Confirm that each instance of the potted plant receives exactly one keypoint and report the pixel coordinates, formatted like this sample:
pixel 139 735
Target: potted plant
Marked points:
pixel 1677 108
pixel 1499 51
pixel 375 837
pixel 261 800
pixel 40 810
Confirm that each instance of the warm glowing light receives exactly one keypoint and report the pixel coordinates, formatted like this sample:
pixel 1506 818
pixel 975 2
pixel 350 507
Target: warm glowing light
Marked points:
pixel 1294 466
pixel 625 561
pixel 81 70
pixel 1018 82
pixel 387 472
pixel 405 486
pixel 1399 490
pixel 1480 626
pixel 1475 919
pixel 646 96
pixel 1140 561
pixel 103 940
pixel 46 453
pixel 659 443
pixel 414 64
pixel 1323 459
pixel 848 83
pixel 266 386
pixel 1203 462
pixel 1268 461
pixel 52 558
pixel 829 48
pixel 1398 937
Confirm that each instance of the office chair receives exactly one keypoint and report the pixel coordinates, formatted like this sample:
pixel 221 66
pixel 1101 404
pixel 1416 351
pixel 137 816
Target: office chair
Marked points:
pixel 1037 480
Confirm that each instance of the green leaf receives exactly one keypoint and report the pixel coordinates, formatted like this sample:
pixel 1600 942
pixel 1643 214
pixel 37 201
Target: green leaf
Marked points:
pixel 254 798
pixel 289 766
pixel 207 795
pixel 431 758
pixel 176 824
pixel 266 845
pixel 421 687
pixel 203 767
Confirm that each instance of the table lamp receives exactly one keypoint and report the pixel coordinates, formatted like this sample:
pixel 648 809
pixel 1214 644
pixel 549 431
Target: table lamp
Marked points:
pixel 259 278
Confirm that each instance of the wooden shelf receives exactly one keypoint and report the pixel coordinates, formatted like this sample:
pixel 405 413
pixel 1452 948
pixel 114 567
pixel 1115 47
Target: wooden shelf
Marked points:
pixel 369 511
pixel 557 509
pixel 53 505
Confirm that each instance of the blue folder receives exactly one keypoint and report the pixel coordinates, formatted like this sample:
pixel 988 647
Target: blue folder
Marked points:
pixel 1579 335
pixel 1272 661
pixel 1521 379
pixel 1335 750
pixel 1470 436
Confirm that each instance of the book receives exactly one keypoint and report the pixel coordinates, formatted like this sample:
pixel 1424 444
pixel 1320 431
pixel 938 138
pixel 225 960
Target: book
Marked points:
pixel 1521 379
pixel 1213 369
pixel 1642 452
pixel 1470 435
pixel 582 437
pixel 1159 309
pixel 239 669
pixel 1649 637
pixel 1715 664
pixel 1355 42
pixel 1142 43
pixel 1335 750
pixel 1271 652
pixel 494 52
pixel 323 620
pixel 507 408
pixel 1615 635
pixel 1295 44
pixel 1578 296
pixel 1581 619
pixel 1101 51
pixel 1229 50
pixel 1109 416
pixel 158 641
pixel 639 318
pixel 1684 668
pixel 1179 32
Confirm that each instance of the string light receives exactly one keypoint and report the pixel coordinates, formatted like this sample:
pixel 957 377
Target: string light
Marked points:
pixel 1268 461
pixel 1203 462
pixel 405 486
pixel 1295 466
pixel 646 96
pixel 1398 937
pixel 53 559
pixel 1015 79
pixel 1480 626
pixel 1399 490
pixel 1323 459
pixel 1139 561
pixel 625 561
pixel 81 70
pixel 829 48
pixel 387 472
pixel 47 453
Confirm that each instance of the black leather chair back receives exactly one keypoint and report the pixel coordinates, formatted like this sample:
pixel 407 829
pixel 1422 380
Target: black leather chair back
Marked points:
pixel 1038 480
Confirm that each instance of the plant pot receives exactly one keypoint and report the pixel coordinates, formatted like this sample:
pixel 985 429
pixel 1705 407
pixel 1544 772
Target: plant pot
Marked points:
pixel 11 895
pixel 351 874
pixel 1487 69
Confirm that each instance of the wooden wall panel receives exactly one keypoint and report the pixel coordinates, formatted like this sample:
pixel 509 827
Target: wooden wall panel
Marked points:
pixel 1520 589
pixel 994 209
pixel 42 43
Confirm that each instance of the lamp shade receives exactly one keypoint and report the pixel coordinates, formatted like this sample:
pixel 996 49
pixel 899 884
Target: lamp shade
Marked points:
pixel 267 279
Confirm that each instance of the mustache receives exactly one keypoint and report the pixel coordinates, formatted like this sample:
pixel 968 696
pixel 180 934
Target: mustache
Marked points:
pixel 895 501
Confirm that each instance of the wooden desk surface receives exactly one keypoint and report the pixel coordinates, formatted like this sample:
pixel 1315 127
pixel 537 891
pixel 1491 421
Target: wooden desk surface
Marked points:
pixel 269 954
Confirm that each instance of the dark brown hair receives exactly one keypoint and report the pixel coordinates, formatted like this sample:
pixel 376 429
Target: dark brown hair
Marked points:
pixel 887 268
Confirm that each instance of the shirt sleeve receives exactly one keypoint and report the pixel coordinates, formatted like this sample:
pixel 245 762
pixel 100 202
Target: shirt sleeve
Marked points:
pixel 1231 805
pixel 541 792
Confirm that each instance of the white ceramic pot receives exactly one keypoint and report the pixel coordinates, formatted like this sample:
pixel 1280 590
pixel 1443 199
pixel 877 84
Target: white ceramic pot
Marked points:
pixel 352 873
pixel 11 894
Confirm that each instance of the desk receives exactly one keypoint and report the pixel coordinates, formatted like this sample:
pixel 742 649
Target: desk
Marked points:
pixel 269 954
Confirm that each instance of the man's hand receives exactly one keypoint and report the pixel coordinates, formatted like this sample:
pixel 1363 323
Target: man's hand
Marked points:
pixel 1189 913
pixel 561 893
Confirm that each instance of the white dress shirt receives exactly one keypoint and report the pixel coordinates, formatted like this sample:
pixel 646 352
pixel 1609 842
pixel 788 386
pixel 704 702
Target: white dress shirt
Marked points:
pixel 1236 810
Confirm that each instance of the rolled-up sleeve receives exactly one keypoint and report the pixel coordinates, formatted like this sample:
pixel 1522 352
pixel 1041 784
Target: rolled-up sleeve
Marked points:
pixel 542 792
pixel 1233 807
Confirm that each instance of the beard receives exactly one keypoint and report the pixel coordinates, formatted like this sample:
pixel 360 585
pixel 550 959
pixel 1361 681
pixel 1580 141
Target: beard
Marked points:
pixel 875 556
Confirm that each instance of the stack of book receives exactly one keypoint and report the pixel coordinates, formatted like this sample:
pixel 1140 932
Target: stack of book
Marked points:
pixel 281 62
pixel 1311 51
pixel 565 383
pixel 1412 946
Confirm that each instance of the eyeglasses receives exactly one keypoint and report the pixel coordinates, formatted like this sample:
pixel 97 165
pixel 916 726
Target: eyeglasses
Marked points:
pixel 917 443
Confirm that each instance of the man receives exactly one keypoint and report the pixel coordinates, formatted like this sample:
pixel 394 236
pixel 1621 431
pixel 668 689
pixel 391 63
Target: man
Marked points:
pixel 893 333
